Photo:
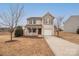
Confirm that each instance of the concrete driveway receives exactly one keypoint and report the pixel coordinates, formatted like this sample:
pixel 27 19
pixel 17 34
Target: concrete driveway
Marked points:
pixel 61 47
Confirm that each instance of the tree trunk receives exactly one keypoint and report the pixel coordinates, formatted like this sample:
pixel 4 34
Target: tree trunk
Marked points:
pixel 11 36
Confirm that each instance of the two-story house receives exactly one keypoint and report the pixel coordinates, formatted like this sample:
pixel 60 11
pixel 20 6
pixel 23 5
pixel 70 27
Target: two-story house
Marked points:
pixel 40 26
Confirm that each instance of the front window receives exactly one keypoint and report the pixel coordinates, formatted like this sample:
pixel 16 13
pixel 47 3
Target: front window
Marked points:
pixel 34 30
pixel 29 29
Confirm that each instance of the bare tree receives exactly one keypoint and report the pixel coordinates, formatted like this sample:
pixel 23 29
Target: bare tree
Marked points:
pixel 12 17
pixel 59 20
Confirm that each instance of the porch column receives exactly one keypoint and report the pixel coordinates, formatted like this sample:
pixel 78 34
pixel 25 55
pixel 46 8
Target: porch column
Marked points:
pixel 31 31
pixel 37 31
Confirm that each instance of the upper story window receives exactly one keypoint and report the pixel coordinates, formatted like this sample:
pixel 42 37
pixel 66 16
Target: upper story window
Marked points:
pixel 47 21
pixel 34 21
pixel 30 21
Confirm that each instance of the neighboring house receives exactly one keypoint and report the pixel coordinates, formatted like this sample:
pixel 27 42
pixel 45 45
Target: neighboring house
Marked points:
pixel 40 26
pixel 72 24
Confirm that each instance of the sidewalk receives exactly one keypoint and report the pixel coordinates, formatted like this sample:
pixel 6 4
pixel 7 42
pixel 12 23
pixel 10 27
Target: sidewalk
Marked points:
pixel 61 47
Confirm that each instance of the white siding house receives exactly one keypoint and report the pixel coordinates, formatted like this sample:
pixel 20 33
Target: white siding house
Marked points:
pixel 72 24
pixel 40 26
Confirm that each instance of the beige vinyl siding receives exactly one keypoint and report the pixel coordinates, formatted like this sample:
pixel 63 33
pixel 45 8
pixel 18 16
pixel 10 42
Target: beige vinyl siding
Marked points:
pixel 72 24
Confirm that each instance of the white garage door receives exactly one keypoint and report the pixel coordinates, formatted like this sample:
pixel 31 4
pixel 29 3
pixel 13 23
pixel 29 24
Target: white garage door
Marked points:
pixel 48 32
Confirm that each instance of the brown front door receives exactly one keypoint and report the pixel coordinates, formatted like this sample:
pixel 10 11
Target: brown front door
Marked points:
pixel 39 31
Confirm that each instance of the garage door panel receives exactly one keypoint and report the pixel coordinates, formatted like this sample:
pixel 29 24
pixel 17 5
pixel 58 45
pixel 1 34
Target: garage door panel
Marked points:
pixel 47 32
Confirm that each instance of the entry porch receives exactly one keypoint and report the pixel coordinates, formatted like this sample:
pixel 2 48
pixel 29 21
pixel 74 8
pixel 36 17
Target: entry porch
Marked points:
pixel 34 30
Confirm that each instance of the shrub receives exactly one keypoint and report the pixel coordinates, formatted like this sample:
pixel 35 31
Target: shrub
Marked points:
pixel 18 31
pixel 77 31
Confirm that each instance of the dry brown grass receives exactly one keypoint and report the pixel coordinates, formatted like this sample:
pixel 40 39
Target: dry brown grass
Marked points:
pixel 72 37
pixel 24 46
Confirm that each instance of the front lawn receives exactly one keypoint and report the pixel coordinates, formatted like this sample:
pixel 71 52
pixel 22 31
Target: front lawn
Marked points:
pixel 72 37
pixel 24 46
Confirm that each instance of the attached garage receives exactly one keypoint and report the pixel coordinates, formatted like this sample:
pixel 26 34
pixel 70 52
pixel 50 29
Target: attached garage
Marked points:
pixel 47 32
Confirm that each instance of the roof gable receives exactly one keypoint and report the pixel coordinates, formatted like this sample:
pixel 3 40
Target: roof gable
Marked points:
pixel 48 14
pixel 73 18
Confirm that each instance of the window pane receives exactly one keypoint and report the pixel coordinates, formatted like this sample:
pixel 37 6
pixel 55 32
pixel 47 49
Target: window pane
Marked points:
pixel 30 21
pixel 34 22
pixel 34 30
pixel 29 30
